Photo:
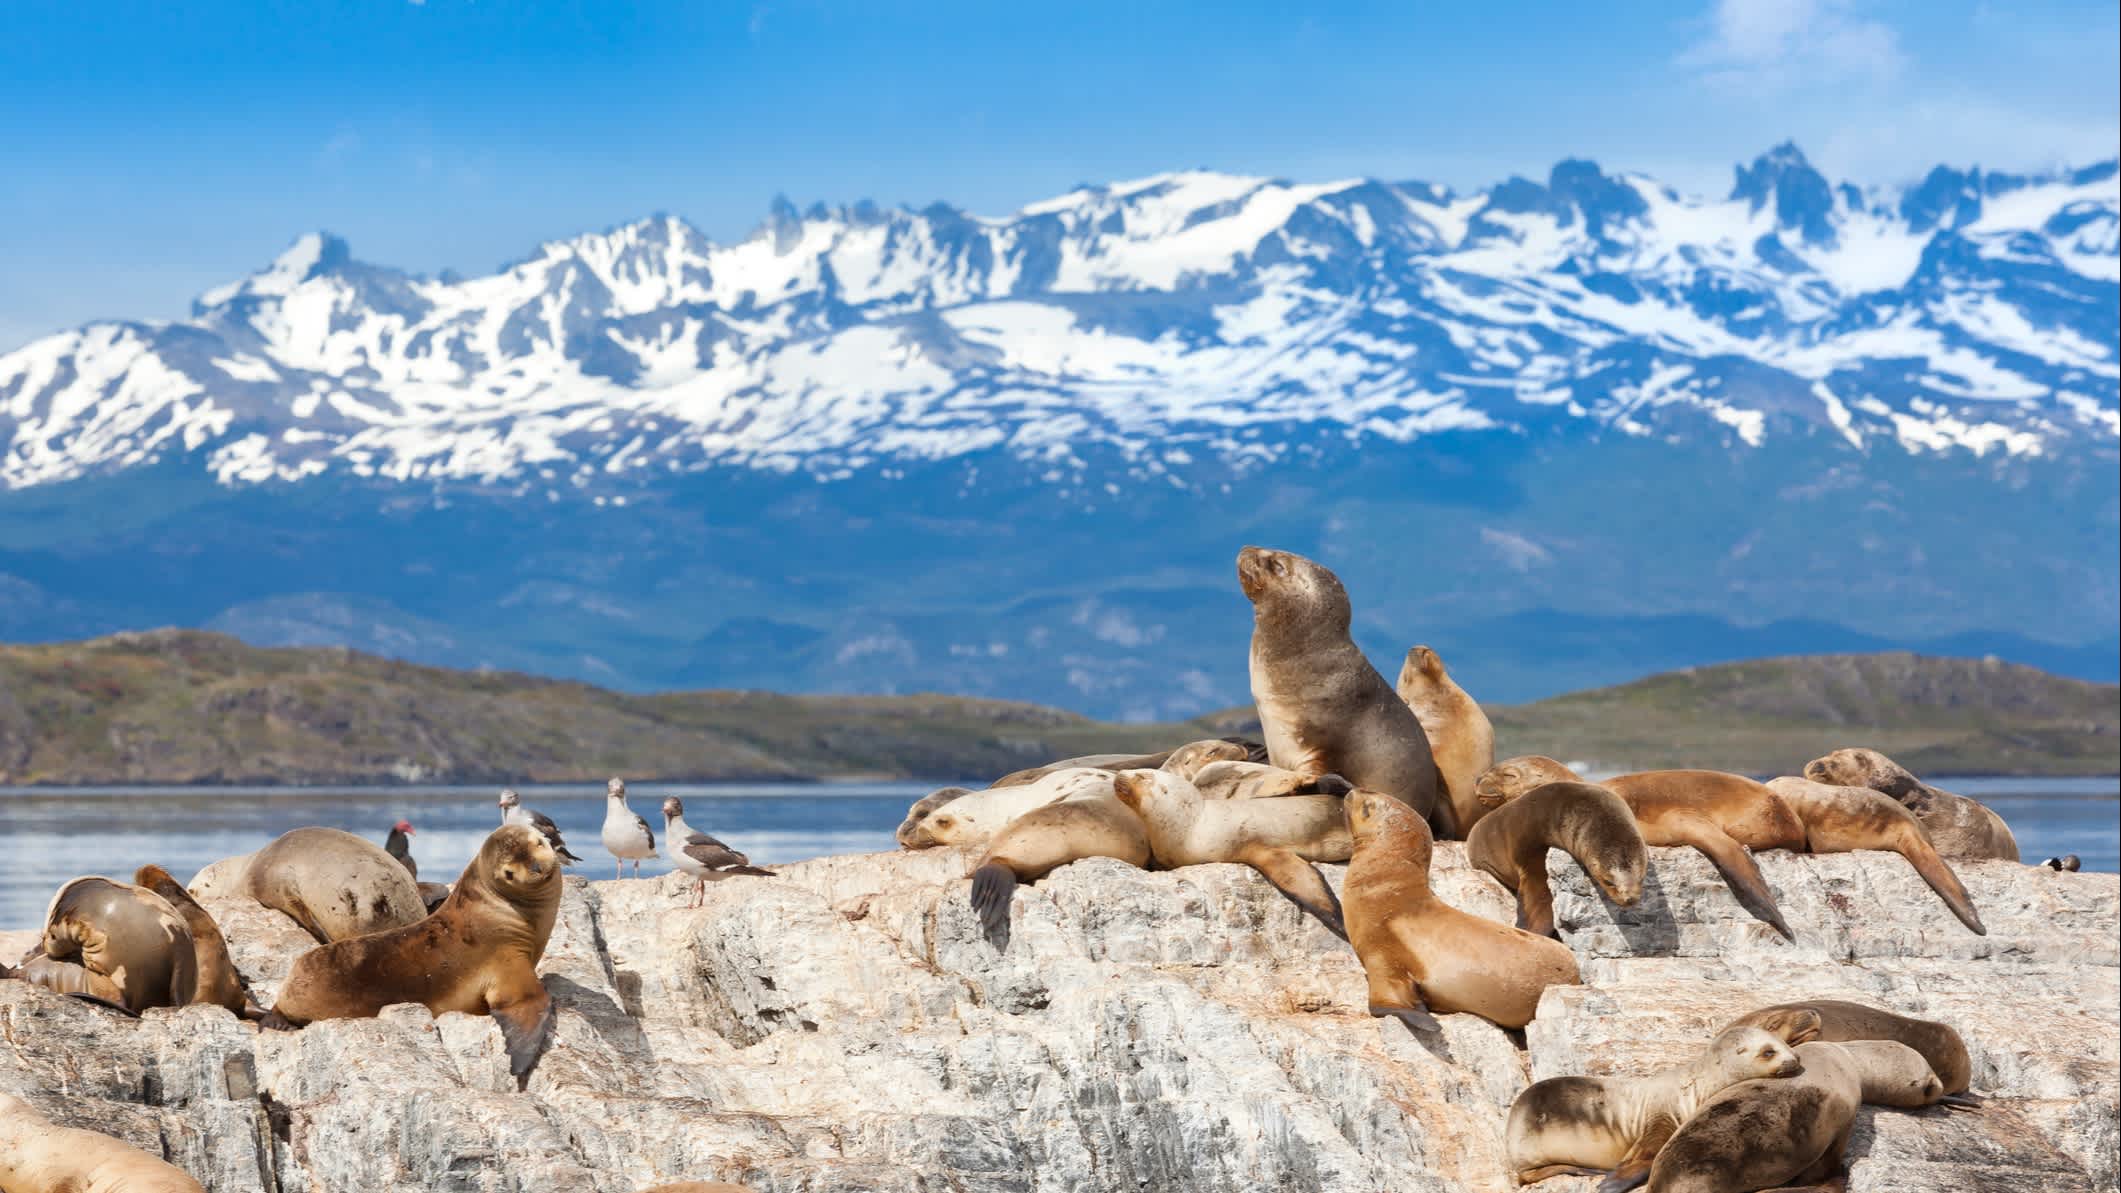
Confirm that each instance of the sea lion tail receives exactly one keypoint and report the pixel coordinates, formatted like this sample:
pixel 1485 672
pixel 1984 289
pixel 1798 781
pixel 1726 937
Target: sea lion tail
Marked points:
pixel 993 888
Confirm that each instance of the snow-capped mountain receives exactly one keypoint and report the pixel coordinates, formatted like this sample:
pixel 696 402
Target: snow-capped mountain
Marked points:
pixel 1569 432
pixel 1188 315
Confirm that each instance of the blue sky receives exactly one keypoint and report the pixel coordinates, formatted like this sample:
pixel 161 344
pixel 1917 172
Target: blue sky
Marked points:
pixel 149 150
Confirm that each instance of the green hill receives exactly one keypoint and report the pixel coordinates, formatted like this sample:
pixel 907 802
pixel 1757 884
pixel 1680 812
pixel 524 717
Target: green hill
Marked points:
pixel 189 707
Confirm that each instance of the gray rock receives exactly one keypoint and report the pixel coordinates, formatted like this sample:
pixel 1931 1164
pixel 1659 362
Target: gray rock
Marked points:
pixel 846 1026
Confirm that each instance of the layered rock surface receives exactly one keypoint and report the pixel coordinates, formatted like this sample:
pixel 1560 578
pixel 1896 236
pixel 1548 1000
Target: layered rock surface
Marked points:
pixel 846 1026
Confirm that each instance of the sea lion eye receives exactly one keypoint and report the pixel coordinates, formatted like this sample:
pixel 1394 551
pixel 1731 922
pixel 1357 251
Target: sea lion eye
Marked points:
pixel 1766 1053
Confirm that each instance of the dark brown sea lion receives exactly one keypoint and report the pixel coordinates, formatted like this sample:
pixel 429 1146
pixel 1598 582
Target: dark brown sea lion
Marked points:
pixel 1586 821
pixel 1420 953
pixel 128 935
pixel 218 982
pixel 1322 707
pixel 478 953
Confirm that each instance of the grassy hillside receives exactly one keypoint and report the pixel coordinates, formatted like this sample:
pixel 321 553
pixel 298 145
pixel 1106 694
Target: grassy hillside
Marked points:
pixel 192 707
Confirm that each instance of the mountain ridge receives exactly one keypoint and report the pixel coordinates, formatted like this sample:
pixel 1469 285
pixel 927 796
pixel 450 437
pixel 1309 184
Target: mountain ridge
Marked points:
pixel 189 707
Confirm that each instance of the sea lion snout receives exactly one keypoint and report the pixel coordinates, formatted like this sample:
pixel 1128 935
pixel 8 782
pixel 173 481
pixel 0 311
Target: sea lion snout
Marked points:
pixel 1127 787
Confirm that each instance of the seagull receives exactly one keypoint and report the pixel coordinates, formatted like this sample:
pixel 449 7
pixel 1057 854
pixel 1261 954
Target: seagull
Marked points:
pixel 513 812
pixel 698 854
pixel 399 846
pixel 626 835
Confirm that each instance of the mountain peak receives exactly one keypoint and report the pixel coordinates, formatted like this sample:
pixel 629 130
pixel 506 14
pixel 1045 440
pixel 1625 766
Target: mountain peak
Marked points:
pixel 1800 194
pixel 313 254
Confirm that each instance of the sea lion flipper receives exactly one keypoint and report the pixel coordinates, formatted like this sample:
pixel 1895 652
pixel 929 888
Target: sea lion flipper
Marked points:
pixel 993 888
pixel 1634 1166
pixel 1535 901
pixel 1941 878
pixel 1300 881
pixel 526 1028
pixel 1736 864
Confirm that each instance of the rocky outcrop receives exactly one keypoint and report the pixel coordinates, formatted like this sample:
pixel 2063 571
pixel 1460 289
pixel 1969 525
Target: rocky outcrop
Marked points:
pixel 846 1026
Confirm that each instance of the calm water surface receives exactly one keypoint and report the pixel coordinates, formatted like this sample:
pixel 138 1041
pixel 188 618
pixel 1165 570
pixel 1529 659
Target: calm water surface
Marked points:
pixel 48 836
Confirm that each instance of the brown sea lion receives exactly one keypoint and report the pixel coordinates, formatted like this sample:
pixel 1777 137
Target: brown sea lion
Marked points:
pixel 1839 1022
pixel 1261 780
pixel 1461 739
pixel 1959 827
pixel 1583 820
pixel 217 981
pixel 1790 1131
pixel 1581 1126
pixel 976 817
pixel 1322 707
pixel 1724 816
pixel 335 884
pixel 1188 759
pixel 1849 819
pixel 1279 838
pixel 1418 952
pixel 1047 838
pixel 40 1156
pixel 126 933
pixel 478 953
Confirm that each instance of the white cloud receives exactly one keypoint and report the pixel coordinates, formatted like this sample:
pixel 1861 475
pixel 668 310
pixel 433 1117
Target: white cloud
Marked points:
pixel 1773 45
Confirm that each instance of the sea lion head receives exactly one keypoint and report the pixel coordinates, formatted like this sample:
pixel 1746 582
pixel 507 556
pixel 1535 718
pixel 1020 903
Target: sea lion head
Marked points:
pixel 1512 777
pixel 1155 793
pixel 1791 1025
pixel 1858 767
pixel 1375 816
pixel 1189 758
pixel 616 787
pixel 1287 589
pixel 1423 661
pixel 912 833
pixel 1744 1053
pixel 1893 1074
pixel 519 865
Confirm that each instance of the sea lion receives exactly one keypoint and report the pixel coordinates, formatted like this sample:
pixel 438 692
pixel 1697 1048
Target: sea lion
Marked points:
pixel 126 933
pixel 974 818
pixel 1237 748
pixel 1959 827
pixel 1586 1125
pixel 1261 780
pixel 1461 740
pixel 1586 821
pixel 1047 838
pixel 1839 1022
pixel 909 827
pixel 478 953
pixel 1849 819
pixel 335 884
pixel 1322 707
pixel 1788 1131
pixel 1722 815
pixel 40 1156
pixel 1280 838
pixel 216 979
pixel 1187 760
pixel 1421 953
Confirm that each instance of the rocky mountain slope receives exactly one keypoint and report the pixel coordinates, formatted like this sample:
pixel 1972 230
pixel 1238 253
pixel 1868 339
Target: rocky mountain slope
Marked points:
pixel 869 450
pixel 847 1026
pixel 190 707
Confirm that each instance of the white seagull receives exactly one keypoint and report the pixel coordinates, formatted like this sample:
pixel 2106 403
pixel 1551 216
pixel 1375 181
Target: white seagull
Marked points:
pixel 513 812
pixel 626 835
pixel 698 854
